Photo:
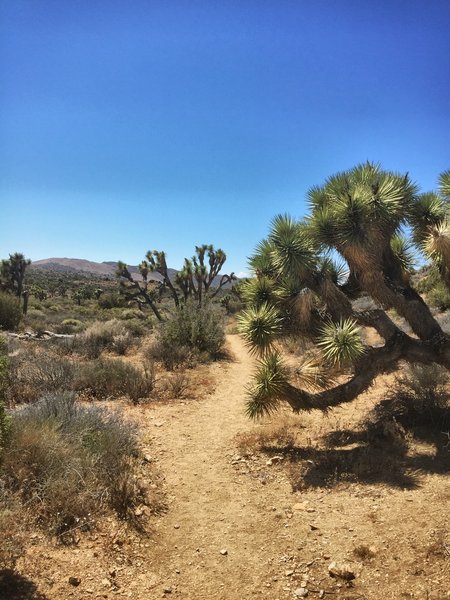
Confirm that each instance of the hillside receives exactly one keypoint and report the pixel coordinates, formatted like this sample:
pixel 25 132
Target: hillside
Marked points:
pixel 79 265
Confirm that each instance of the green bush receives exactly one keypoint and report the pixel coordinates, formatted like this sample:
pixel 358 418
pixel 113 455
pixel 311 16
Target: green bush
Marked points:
pixel 191 331
pixel 112 378
pixel 70 326
pixel 69 463
pixel 439 296
pixel 10 312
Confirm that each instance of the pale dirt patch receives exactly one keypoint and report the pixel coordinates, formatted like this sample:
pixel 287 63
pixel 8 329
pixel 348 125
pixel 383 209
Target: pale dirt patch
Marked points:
pixel 234 529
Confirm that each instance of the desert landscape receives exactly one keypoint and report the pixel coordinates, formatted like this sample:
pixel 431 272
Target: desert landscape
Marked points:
pixel 224 300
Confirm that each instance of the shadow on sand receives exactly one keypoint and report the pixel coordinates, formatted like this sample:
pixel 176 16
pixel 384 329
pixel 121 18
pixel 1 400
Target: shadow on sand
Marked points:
pixel 14 586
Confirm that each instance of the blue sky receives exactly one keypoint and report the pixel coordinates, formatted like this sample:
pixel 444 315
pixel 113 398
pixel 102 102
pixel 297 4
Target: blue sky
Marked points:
pixel 129 126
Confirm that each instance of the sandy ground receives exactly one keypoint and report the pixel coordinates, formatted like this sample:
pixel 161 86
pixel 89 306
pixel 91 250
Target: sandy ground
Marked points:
pixel 236 527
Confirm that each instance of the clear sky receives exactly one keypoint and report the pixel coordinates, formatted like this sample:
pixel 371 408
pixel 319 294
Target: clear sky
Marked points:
pixel 162 124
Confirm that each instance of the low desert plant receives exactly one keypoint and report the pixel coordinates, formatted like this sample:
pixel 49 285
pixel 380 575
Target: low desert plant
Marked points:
pixel 419 397
pixel 10 311
pixel 70 326
pixel 109 335
pixel 439 296
pixel 33 374
pixel 112 378
pixel 192 331
pixel 68 462
pixel 177 385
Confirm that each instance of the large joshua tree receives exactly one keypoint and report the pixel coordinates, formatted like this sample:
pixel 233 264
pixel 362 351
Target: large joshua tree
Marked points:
pixel 356 216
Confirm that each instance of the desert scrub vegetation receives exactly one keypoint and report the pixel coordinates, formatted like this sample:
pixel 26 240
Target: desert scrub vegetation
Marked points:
pixel 108 335
pixel 34 371
pixel 112 378
pixel 10 312
pixel 67 463
pixel 420 397
pixel 191 334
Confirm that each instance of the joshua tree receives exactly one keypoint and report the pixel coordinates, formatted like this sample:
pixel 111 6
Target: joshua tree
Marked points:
pixel 198 274
pixel 12 273
pixel 196 278
pixel 356 216
pixel 142 292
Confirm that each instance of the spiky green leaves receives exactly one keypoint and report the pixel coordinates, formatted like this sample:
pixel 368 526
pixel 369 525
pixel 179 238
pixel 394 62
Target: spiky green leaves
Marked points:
pixel 359 205
pixel 429 217
pixel 259 326
pixel 436 245
pixel 292 253
pixel 444 184
pixel 404 251
pixel 341 342
pixel 268 387
pixel 256 292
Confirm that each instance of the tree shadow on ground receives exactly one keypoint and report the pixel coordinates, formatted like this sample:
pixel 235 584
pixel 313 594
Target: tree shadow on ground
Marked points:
pixel 381 451
pixel 14 586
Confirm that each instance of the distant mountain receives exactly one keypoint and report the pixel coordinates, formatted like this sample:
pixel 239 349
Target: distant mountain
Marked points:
pixel 103 269
pixel 79 265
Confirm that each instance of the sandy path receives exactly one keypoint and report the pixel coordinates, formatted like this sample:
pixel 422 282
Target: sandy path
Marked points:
pixel 214 509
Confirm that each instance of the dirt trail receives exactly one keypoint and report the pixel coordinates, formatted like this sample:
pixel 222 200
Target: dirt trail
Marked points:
pixel 235 530
pixel 214 533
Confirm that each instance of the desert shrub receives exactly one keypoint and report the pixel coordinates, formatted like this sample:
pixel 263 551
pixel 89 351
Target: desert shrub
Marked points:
pixel 111 300
pixel 70 326
pixel 69 462
pixel 419 397
pixel 33 374
pixel 138 327
pixel 10 312
pixel 177 385
pixel 439 296
pixel 112 378
pixel 191 331
pixel 109 335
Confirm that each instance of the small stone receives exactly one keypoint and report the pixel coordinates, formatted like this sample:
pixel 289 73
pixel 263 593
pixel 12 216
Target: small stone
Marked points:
pixel 167 590
pixel 342 571
pixel 75 581
pixel 301 592
pixel 224 552
pixel 106 582
pixel 313 527
pixel 289 572
pixel 176 526
pixel 300 506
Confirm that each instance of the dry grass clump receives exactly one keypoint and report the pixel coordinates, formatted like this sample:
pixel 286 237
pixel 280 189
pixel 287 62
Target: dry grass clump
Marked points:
pixel 112 378
pixel 33 373
pixel 69 463
pixel 108 335
pixel 419 398
pixel 177 385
